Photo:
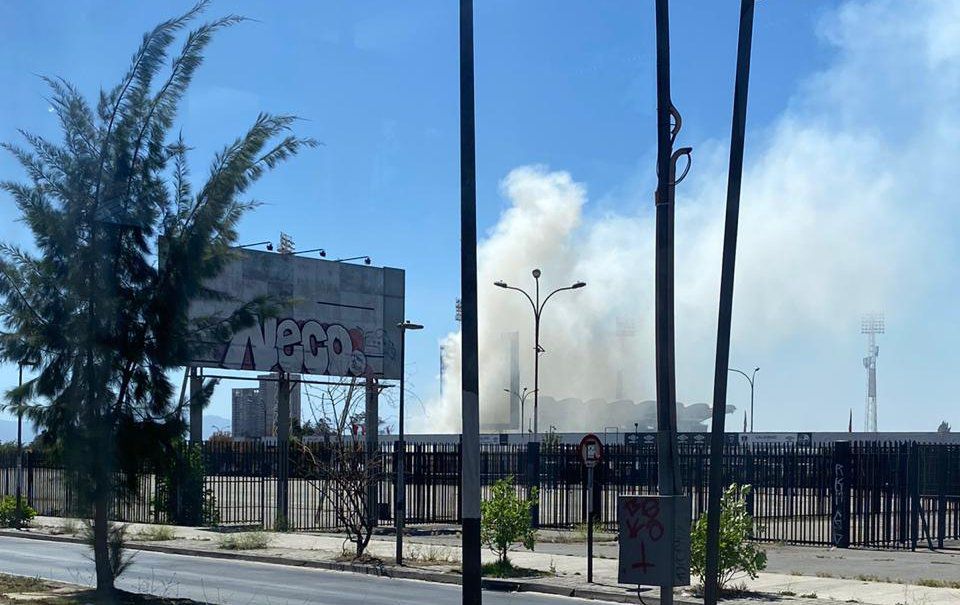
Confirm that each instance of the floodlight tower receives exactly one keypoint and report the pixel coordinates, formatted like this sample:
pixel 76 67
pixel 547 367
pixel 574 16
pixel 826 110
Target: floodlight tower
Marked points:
pixel 871 325
pixel 286 244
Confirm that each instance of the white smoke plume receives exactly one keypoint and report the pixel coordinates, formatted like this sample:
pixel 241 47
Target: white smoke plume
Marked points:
pixel 843 197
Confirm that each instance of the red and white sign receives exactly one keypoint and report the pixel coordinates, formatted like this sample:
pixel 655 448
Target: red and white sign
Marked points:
pixel 591 450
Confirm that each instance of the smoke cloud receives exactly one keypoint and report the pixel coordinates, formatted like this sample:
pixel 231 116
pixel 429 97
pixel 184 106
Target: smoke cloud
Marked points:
pixel 843 197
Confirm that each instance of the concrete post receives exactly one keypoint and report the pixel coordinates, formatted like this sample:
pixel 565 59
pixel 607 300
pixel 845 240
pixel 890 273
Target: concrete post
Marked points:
pixel 372 419
pixel 282 521
pixel 196 407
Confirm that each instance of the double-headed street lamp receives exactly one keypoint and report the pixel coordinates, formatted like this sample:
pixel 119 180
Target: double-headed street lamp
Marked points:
pixel 537 311
pixel 522 396
pixel 401 449
pixel 750 379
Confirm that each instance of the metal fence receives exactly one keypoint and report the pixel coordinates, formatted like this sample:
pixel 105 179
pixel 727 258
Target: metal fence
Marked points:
pixel 884 495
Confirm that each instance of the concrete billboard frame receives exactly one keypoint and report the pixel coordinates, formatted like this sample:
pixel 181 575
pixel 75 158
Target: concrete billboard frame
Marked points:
pixel 336 319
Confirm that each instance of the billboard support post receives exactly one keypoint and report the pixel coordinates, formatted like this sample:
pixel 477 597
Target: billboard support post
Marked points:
pixel 283 447
pixel 196 407
pixel 371 420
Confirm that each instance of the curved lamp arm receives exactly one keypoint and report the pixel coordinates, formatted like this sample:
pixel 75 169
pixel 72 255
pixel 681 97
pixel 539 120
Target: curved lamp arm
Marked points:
pixel 744 374
pixel 573 287
pixel 501 284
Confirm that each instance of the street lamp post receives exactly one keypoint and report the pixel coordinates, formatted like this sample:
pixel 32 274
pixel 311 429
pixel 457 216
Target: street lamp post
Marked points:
pixel 19 478
pixel 401 498
pixel 750 379
pixel 523 398
pixel 537 312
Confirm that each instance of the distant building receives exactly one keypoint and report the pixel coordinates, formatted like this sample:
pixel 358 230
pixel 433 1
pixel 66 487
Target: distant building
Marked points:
pixel 248 415
pixel 268 391
pixel 255 410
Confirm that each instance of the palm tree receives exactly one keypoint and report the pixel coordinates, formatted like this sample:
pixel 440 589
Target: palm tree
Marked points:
pixel 123 244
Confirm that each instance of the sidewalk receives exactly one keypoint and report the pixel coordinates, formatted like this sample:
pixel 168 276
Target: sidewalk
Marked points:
pixel 566 571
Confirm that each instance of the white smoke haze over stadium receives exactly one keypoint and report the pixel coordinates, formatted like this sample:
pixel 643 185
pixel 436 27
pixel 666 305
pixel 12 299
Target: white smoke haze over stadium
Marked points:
pixel 845 195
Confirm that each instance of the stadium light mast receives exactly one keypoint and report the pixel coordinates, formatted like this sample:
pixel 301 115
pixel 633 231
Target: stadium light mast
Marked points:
pixel 286 244
pixel 871 325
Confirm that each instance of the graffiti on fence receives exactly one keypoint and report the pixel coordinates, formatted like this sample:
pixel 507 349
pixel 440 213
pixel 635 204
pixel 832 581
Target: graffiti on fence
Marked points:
pixel 840 538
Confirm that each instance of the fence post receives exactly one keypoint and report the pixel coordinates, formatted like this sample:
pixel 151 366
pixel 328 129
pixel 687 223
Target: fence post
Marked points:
pixel 913 475
pixel 533 480
pixel 749 479
pixel 942 495
pixel 841 494
pixel 262 449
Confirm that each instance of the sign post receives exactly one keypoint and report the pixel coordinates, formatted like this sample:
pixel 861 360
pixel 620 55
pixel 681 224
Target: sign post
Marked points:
pixel 591 452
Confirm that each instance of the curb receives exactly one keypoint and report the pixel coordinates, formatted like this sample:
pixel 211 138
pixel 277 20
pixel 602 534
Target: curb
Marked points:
pixel 376 570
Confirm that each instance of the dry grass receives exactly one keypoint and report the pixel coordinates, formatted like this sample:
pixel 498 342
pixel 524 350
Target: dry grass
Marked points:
pixel 934 583
pixel 506 569
pixel 155 533
pixel 432 554
pixel 16 590
pixel 245 541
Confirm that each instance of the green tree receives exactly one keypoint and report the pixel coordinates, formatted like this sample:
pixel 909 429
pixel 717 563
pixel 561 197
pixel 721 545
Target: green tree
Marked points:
pixel 505 519
pixel 123 244
pixel 738 553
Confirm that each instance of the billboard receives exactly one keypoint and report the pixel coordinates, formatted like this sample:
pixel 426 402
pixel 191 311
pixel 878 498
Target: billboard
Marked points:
pixel 336 319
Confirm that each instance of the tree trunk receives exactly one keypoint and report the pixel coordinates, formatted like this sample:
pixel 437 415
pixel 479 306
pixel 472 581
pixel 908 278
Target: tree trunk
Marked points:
pixel 101 547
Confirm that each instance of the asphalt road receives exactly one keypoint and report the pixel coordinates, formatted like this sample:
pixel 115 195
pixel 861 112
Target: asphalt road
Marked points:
pixel 224 581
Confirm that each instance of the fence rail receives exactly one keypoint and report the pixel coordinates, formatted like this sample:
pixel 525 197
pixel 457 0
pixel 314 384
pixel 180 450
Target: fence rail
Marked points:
pixel 884 495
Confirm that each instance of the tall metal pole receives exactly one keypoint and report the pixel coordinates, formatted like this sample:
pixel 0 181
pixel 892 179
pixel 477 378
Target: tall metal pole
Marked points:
pixel 664 303
pixel 400 515
pixel 401 451
pixel 737 136
pixel 470 379
pixel 666 379
pixel 536 358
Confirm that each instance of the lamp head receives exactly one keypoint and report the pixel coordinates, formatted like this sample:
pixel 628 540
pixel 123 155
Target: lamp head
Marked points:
pixel 500 284
pixel 579 284
pixel 269 247
pixel 323 254
pixel 366 260
pixel 536 274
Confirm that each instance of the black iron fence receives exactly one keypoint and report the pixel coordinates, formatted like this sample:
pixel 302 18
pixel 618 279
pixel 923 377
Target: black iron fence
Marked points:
pixel 885 495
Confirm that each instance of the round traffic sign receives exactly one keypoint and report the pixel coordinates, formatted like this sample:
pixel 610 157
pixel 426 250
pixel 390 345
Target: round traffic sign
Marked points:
pixel 591 449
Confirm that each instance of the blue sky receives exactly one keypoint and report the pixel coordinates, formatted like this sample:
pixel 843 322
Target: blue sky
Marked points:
pixel 569 86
